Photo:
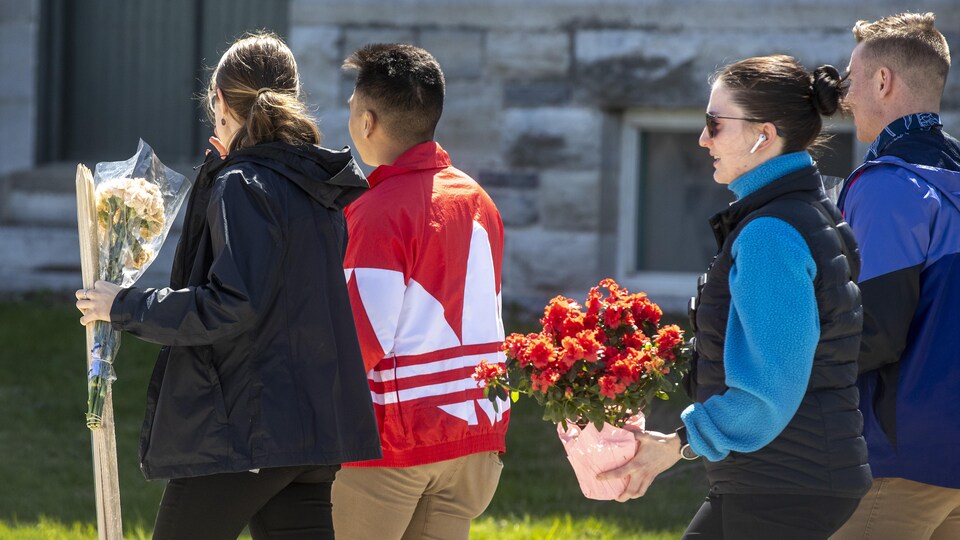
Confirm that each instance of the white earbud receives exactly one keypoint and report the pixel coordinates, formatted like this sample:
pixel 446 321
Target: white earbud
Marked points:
pixel 760 140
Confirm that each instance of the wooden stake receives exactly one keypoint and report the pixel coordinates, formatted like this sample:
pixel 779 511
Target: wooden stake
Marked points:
pixel 103 440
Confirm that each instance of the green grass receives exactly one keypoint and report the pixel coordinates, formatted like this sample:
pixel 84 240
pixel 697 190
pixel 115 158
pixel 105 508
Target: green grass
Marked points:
pixel 46 472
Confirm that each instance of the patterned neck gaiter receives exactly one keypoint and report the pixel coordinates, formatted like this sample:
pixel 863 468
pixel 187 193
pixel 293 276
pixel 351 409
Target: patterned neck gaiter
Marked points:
pixel 901 127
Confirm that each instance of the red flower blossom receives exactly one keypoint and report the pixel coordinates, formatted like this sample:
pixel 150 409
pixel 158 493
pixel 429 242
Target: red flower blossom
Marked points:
pixel 487 372
pixel 541 382
pixel 611 387
pixel 596 363
pixel 635 340
pixel 612 316
pixel 591 347
pixel 644 310
pixel 572 351
pixel 557 312
pixel 573 324
pixel 668 339
pixel 515 344
pixel 540 352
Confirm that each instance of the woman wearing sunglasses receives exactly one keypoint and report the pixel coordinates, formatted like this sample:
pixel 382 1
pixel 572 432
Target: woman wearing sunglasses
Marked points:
pixel 777 321
pixel 259 392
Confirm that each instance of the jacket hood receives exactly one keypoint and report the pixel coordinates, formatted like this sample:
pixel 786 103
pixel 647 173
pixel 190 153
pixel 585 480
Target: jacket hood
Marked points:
pixel 331 177
pixel 946 181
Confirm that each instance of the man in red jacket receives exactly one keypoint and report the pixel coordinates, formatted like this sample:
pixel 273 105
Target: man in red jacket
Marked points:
pixel 423 267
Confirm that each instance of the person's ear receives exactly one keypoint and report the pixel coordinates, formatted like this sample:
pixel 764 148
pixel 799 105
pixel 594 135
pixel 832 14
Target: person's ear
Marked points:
pixel 221 104
pixel 884 81
pixel 369 122
pixel 766 137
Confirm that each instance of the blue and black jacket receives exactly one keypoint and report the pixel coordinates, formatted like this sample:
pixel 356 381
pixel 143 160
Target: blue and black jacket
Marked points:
pixel 904 207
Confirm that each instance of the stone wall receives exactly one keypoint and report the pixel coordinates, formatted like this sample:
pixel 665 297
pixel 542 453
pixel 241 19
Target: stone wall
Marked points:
pixel 536 89
pixel 18 71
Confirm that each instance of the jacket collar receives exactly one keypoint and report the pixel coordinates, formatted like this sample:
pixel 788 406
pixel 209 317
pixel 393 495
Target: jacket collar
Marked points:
pixel 900 128
pixel 806 179
pixel 768 171
pixel 424 156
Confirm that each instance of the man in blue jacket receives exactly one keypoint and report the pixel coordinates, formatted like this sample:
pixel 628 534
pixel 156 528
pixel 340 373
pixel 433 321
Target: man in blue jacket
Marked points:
pixel 903 204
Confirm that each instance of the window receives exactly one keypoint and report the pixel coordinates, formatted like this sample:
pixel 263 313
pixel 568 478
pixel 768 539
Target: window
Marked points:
pixel 667 194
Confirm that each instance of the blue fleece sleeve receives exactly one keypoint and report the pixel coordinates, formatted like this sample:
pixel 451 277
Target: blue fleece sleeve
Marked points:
pixel 772 333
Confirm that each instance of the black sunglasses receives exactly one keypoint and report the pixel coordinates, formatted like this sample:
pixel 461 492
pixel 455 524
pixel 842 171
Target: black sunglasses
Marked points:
pixel 712 122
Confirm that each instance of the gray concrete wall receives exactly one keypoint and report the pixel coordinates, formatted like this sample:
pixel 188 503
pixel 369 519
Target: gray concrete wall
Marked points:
pixel 536 89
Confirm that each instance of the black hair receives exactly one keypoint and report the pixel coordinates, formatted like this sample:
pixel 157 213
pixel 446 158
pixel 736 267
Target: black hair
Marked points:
pixel 403 85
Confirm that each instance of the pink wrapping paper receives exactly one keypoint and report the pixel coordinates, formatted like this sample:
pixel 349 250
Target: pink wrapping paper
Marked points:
pixel 591 452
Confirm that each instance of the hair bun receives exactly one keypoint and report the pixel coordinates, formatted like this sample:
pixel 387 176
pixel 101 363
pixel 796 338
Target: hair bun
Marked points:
pixel 827 89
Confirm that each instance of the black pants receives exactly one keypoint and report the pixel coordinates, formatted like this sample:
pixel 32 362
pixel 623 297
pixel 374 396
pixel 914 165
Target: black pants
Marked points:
pixel 765 517
pixel 284 502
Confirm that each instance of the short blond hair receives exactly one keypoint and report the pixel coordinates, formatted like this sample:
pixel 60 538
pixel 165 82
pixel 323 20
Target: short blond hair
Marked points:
pixel 910 44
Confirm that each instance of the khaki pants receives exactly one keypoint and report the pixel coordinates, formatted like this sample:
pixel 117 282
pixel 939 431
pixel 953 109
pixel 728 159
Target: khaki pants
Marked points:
pixel 436 501
pixel 898 509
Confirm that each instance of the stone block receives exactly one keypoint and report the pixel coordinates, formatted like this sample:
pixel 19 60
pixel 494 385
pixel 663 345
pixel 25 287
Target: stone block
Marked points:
pixel 333 126
pixel 16 135
pixel 17 59
pixel 509 179
pixel 355 38
pixel 538 260
pixel 19 10
pixel 473 162
pixel 30 248
pixel 541 93
pixel 317 49
pixel 459 51
pixel 472 125
pixel 552 137
pixel 518 207
pixel 812 47
pixel 629 68
pixel 528 55
pixel 682 15
pixel 569 201
pixel 41 208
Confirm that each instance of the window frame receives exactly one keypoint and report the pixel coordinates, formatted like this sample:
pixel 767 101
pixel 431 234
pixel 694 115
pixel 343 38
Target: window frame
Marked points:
pixel 672 290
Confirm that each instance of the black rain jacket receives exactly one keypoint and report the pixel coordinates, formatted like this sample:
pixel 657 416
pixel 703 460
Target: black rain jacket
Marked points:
pixel 261 366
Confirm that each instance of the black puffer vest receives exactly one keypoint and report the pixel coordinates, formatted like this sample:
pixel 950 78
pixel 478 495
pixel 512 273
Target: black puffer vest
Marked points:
pixel 821 451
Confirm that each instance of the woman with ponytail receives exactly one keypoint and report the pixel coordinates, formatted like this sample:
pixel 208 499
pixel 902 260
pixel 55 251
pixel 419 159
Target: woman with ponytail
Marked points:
pixel 259 393
pixel 777 320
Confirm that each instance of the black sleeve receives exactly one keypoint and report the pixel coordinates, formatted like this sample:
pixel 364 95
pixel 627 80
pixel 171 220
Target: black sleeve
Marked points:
pixel 247 243
pixel 889 303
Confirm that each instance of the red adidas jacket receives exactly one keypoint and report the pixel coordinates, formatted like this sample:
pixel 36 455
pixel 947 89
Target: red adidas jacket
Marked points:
pixel 423 268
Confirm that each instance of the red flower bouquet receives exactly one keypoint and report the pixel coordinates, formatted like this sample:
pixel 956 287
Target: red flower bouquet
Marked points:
pixel 596 366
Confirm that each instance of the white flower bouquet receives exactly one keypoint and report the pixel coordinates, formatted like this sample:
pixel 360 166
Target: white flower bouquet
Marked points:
pixel 135 204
